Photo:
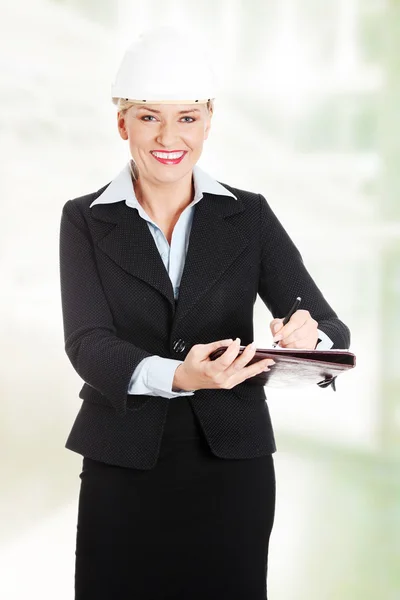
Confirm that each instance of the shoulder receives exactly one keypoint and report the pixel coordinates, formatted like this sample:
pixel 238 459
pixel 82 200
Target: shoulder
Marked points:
pixel 253 203
pixel 246 196
pixel 84 202
pixel 258 211
pixel 77 210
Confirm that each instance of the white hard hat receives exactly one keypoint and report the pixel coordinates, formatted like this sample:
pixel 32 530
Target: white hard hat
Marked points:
pixel 165 66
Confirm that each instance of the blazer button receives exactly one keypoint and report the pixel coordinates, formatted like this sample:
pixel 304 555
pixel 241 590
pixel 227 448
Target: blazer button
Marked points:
pixel 179 345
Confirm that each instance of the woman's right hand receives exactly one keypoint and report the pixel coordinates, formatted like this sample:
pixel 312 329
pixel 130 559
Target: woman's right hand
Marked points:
pixel 199 372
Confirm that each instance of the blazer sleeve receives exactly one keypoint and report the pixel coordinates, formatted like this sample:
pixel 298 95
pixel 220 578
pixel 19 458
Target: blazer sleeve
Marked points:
pixel 102 359
pixel 283 277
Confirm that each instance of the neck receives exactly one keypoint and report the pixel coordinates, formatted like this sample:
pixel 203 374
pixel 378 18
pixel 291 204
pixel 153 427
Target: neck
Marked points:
pixel 167 201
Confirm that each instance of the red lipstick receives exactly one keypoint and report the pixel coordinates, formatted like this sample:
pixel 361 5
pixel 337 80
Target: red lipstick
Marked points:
pixel 169 161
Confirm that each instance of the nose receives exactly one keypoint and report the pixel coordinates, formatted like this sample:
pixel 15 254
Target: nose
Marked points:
pixel 167 134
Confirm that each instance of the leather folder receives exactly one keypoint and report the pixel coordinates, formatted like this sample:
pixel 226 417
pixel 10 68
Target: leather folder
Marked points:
pixel 298 367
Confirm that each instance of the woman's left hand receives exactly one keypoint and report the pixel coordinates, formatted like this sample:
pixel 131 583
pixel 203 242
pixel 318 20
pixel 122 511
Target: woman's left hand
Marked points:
pixel 301 331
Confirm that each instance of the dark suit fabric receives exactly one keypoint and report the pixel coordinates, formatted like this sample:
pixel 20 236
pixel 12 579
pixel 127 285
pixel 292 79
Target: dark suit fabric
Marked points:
pixel 177 496
pixel 195 526
pixel 118 307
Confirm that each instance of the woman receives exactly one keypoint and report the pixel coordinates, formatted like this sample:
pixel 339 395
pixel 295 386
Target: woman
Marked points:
pixel 159 268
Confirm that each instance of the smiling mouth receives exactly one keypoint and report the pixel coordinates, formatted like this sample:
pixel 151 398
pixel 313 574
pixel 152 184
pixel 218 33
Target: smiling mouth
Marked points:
pixel 169 158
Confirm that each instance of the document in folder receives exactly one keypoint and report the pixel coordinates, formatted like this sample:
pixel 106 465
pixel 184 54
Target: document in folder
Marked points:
pixel 298 367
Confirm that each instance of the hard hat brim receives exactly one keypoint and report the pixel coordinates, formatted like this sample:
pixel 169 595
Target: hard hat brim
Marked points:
pixel 191 101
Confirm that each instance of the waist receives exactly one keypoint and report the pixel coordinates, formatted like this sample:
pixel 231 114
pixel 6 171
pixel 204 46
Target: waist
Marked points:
pixel 181 422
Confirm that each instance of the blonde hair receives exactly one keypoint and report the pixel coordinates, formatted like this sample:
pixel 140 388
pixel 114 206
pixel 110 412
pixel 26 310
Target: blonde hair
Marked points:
pixel 124 104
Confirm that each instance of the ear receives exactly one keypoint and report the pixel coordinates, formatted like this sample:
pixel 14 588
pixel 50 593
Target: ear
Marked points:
pixel 121 122
pixel 207 127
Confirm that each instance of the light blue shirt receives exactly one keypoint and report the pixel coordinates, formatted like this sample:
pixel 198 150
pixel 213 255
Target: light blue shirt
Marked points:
pixel 154 374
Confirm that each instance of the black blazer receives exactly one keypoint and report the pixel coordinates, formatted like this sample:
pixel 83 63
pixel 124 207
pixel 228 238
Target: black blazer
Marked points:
pixel 118 307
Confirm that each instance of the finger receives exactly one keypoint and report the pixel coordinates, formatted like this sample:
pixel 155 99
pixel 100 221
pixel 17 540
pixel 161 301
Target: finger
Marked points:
pixel 296 335
pixel 297 320
pixel 241 360
pixel 250 371
pixel 301 344
pixel 204 350
pixel 223 361
pixel 276 325
pixel 305 332
pixel 307 340
pixel 258 367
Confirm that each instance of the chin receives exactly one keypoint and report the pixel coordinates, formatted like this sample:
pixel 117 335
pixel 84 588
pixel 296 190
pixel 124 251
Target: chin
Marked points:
pixel 171 173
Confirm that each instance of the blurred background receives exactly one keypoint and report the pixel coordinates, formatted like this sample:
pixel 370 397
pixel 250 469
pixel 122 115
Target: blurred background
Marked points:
pixel 308 116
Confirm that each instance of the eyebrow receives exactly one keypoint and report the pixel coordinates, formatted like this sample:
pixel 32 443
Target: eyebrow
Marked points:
pixel 181 112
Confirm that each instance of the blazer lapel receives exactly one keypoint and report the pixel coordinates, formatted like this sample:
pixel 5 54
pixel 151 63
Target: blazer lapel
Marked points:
pixel 131 245
pixel 214 243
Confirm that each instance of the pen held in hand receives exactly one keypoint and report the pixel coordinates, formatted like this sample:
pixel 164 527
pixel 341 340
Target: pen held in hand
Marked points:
pixel 290 313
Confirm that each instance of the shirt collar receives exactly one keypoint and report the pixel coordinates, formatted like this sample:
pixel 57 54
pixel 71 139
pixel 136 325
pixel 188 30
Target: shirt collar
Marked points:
pixel 121 188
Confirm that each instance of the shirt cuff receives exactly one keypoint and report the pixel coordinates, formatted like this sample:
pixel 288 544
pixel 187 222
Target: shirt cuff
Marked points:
pixel 154 376
pixel 324 341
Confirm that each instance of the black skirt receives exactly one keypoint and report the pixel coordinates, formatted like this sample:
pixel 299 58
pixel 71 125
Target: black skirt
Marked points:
pixel 194 527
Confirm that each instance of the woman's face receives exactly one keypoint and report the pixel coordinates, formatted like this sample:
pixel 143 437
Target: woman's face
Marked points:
pixel 162 129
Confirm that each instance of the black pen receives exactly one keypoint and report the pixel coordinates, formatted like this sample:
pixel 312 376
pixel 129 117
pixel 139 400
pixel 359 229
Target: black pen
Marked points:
pixel 290 313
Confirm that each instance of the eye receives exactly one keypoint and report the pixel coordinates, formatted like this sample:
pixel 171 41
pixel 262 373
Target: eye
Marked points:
pixel 153 117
